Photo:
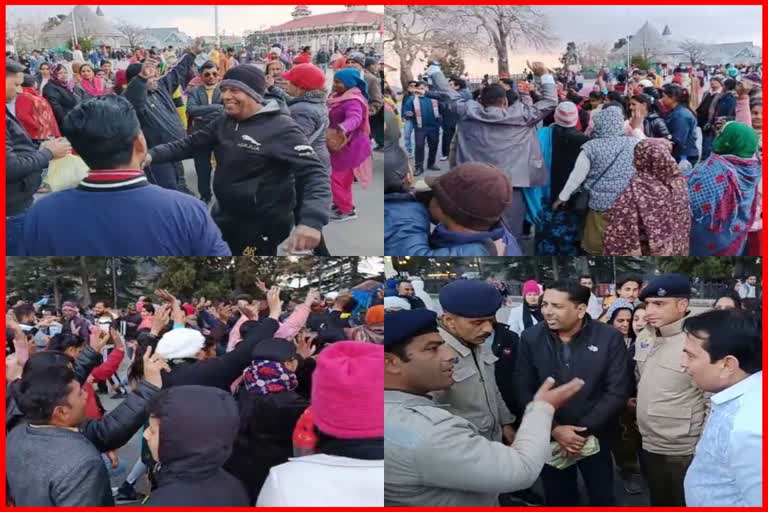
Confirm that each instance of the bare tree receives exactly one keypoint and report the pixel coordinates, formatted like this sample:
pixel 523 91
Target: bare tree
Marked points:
pixel 594 54
pixel 134 33
pixel 694 50
pixel 504 26
pixel 409 34
pixel 26 34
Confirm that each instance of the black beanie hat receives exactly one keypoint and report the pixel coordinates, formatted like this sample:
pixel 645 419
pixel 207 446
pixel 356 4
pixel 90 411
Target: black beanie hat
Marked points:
pixel 248 79
pixel 132 71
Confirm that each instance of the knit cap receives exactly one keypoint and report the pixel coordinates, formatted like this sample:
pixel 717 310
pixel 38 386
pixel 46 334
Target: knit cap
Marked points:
pixel 306 76
pixel 473 194
pixel 567 114
pixel 531 286
pixel 247 78
pixel 347 397
pixel 375 315
pixel 180 344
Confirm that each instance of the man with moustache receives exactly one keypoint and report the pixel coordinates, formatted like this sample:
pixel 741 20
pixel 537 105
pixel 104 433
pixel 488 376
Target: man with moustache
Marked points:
pixel 433 457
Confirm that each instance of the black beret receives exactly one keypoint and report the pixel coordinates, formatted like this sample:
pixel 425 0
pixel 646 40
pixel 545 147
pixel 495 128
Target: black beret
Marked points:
pixel 274 349
pixel 667 285
pixel 402 325
pixel 470 298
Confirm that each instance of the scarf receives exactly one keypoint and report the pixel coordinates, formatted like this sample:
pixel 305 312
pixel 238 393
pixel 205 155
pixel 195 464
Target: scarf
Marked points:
pixel 363 172
pixel 529 314
pixel 724 200
pixel 608 141
pixel 736 139
pixel 351 78
pixel 304 436
pixel 54 77
pixel 651 217
pixel 267 377
pixel 94 87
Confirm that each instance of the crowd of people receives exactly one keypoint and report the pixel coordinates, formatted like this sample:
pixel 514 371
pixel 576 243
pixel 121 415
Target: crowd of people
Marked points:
pixel 288 150
pixel 237 400
pixel 482 412
pixel 645 163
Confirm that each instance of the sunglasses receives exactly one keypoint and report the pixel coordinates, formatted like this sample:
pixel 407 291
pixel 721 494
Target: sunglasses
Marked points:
pixel 211 73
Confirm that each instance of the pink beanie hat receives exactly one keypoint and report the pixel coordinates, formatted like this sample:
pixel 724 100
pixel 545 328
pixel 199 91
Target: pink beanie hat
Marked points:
pixel 348 390
pixel 567 114
pixel 531 287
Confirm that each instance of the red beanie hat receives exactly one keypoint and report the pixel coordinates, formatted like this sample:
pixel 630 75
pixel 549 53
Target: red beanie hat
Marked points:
pixel 347 390
pixel 306 76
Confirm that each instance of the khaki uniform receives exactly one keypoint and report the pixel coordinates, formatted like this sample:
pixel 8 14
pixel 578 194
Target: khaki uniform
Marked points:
pixel 474 394
pixel 435 458
pixel 670 409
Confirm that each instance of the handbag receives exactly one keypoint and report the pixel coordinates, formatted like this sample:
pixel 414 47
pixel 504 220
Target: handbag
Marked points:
pixel 579 201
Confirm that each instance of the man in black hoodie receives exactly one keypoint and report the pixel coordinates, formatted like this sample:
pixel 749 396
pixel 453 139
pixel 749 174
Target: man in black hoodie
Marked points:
pixel 262 158
pixel 191 432
pixel 152 98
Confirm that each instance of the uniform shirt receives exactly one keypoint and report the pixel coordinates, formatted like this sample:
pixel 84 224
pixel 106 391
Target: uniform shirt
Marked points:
pixel 474 394
pixel 670 409
pixel 435 458
pixel 727 468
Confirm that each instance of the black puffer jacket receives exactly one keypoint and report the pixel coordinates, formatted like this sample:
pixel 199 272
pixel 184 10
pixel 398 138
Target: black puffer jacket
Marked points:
pixel 264 439
pixel 506 344
pixel 598 356
pixel 198 426
pixel 24 164
pixel 655 127
pixel 62 100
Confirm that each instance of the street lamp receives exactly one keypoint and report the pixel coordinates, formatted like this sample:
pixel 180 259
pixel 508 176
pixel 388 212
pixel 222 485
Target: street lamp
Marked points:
pixel 114 268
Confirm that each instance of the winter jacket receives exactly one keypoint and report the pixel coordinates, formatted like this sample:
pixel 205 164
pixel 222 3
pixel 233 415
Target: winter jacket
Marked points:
pixel 156 110
pixel 35 115
pixel 505 138
pixel 220 372
pixel 322 57
pixel 598 356
pixel 62 100
pixel 566 145
pixel 310 111
pixel 24 164
pixel 375 96
pixel 265 436
pixel 429 119
pixel 197 429
pixel 726 107
pixel 260 164
pixel 40 468
pixel 99 374
pixel 350 116
pixel 406 232
pixel 682 127
pixel 200 111
pixel 505 346
pixel 655 127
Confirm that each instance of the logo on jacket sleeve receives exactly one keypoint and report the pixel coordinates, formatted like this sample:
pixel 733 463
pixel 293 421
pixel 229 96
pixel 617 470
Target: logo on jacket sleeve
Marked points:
pixel 304 150
pixel 592 348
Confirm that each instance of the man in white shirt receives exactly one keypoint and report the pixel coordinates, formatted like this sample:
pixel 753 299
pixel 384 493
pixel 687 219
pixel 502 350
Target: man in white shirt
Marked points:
pixel 747 289
pixel 722 354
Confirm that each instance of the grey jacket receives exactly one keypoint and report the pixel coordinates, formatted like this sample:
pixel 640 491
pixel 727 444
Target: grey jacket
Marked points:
pixel 505 138
pixel 310 111
pixel 434 458
pixel 199 110
pixel 375 96
pixel 474 394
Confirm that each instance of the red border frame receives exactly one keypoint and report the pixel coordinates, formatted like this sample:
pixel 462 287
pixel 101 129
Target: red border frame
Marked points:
pixel 700 4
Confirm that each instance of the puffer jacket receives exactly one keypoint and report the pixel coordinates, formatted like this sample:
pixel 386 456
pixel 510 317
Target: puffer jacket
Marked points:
pixel 62 100
pixel 310 111
pixel 200 111
pixel 655 127
pixel 24 164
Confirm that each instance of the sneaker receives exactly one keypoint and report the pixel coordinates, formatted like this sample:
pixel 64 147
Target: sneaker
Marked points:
pixel 433 168
pixel 443 158
pixel 126 493
pixel 338 216
pixel 418 171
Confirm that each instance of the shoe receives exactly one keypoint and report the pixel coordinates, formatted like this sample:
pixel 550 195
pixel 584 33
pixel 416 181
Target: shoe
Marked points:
pixel 433 168
pixel 632 486
pixel 418 171
pixel 126 493
pixel 343 217
pixel 443 158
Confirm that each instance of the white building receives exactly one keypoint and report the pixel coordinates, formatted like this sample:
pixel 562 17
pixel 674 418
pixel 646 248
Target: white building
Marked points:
pixel 163 37
pixel 82 22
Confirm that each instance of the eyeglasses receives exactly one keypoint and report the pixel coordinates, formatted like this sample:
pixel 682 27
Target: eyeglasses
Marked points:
pixel 211 73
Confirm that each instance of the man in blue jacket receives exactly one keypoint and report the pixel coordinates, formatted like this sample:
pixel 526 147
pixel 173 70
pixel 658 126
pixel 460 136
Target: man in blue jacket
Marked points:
pixel 126 215
pixel 424 113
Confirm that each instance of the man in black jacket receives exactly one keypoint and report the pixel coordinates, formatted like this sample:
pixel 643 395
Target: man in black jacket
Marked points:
pixel 152 98
pixel 24 162
pixel 566 345
pixel 405 291
pixel 262 159
pixel 54 456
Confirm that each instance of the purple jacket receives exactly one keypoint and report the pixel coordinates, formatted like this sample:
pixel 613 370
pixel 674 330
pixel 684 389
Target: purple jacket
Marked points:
pixel 349 116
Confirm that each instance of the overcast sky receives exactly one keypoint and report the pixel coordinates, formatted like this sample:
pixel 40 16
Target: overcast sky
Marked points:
pixel 587 23
pixel 195 20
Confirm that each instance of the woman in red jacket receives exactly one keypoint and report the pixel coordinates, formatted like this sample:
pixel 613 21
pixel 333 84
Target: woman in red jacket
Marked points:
pixel 35 113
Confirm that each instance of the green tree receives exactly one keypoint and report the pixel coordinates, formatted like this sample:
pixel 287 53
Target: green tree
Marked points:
pixel 86 44
pixel 196 276
pixel 641 62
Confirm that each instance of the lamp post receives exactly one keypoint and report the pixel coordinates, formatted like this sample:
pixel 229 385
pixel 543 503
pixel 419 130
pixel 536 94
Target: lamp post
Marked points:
pixel 115 269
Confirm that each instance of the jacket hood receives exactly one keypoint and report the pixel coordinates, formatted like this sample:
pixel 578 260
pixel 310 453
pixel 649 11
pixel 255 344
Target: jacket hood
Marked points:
pixel 319 96
pixel 609 122
pixel 198 427
pixel 273 106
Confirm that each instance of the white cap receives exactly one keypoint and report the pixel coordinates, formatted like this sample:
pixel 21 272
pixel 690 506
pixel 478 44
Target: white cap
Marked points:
pixel 180 343
pixel 331 295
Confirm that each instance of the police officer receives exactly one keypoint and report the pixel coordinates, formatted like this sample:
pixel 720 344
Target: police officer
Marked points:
pixel 670 408
pixel 435 458
pixel 469 315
